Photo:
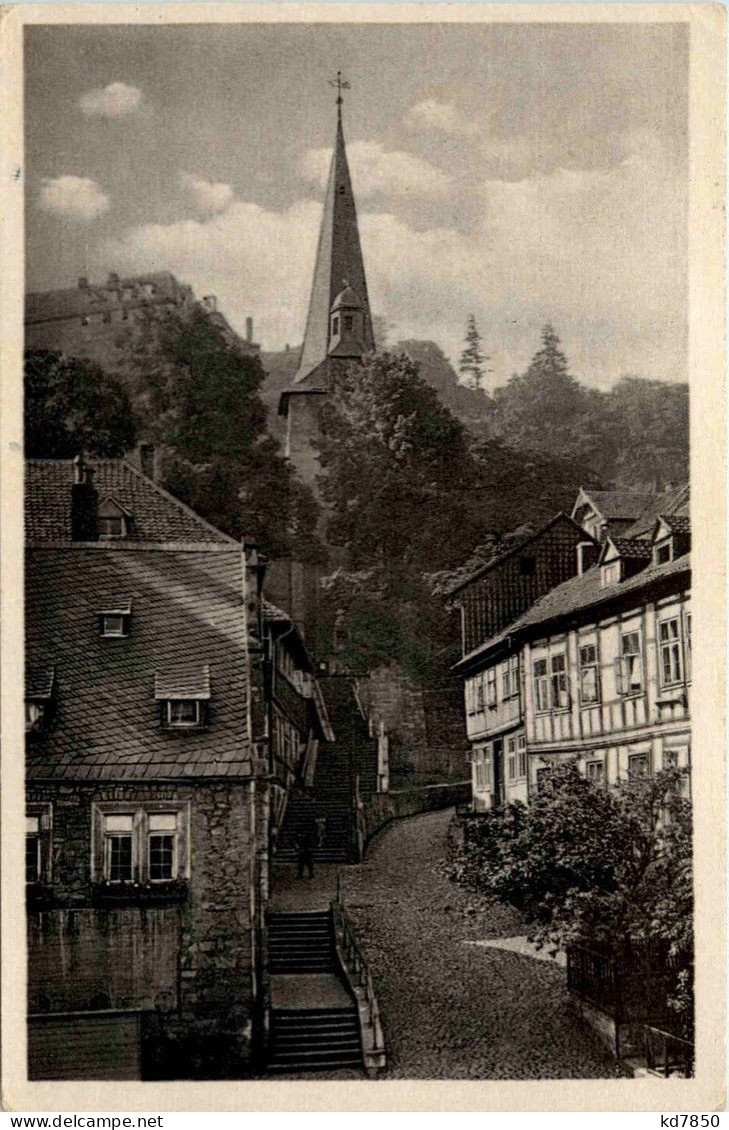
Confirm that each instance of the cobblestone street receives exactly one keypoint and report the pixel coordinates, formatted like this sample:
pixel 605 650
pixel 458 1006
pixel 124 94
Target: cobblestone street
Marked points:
pixel 452 1008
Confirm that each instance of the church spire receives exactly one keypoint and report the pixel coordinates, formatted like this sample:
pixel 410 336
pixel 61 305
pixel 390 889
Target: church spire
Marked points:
pixel 339 262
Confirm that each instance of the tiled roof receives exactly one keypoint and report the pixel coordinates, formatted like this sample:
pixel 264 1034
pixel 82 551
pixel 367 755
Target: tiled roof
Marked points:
pixel 676 501
pixel 156 515
pixel 621 505
pixel 580 593
pixel 516 544
pixel 636 548
pixel 39 682
pixel 188 613
pixel 277 615
pixel 678 523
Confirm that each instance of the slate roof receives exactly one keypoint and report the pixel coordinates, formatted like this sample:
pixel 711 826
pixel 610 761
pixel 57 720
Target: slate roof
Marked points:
pixel 635 548
pixel 39 682
pixel 675 501
pixel 581 593
pixel 516 544
pixel 188 613
pixel 156 515
pixel 620 505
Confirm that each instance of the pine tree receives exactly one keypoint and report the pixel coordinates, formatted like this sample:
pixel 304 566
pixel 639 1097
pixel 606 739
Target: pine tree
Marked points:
pixel 473 359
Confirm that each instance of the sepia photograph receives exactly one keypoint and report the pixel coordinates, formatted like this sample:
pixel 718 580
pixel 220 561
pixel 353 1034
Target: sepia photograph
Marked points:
pixel 357 624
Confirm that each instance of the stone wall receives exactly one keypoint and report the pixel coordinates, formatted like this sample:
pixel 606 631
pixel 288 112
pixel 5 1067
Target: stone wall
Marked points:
pixel 192 958
pixel 381 808
pixel 426 726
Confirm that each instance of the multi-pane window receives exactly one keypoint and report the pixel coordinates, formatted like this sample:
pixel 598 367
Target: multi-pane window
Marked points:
pixel 118 833
pixel 541 684
pixel 511 758
pixel 630 664
pixel 348 323
pixel 610 573
pixel 183 713
pixel 595 771
pixel 521 755
pixel 589 676
pixel 110 526
pixel 491 688
pixel 140 845
pixel 510 677
pixel 479 696
pixel 161 844
pixel 32 849
pixel 670 645
pixel 687 631
pixel 560 698
pixel 482 766
pixel 638 765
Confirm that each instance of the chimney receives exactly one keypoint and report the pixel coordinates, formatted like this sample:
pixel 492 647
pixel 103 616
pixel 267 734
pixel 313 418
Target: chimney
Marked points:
pixel 83 282
pixel 210 302
pixel 148 461
pixel 249 330
pixel 84 502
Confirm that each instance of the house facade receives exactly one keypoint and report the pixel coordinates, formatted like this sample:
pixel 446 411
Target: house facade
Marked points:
pixel 598 668
pixel 152 781
pixel 494 675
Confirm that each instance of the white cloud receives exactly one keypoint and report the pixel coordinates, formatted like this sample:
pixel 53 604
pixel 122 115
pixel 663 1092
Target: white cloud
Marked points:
pixel 208 196
pixel 442 116
pixel 78 197
pixel 598 252
pixel 380 172
pixel 113 101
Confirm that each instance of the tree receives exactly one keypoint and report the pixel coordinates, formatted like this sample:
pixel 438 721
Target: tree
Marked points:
pixel 545 409
pixel 197 390
pixel 602 868
pixel 397 469
pixel 472 361
pixel 71 406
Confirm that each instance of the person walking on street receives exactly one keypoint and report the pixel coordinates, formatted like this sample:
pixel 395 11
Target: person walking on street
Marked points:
pixel 304 856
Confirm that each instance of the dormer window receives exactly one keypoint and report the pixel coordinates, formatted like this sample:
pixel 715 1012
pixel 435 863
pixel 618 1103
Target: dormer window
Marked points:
pixel 183 712
pixel 39 688
pixel 663 553
pixel 610 573
pixel 335 325
pixel 112 520
pixel 183 695
pixel 348 324
pixel 114 622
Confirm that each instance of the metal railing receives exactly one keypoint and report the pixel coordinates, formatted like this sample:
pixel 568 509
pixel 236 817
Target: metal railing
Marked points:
pixel 357 966
pixel 666 1052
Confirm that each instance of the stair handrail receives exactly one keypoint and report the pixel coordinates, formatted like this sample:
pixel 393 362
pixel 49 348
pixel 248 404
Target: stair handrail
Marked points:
pixel 358 964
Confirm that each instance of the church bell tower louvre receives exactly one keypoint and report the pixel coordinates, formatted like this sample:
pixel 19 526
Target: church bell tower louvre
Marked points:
pixel 339 322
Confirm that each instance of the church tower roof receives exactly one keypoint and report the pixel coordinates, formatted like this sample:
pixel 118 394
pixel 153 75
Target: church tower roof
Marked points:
pixel 339 264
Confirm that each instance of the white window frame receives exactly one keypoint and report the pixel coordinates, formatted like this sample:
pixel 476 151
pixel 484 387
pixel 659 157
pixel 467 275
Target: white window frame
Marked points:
pixel 635 756
pixel 171 724
pixel 687 644
pixel 140 813
pixel 491 688
pixel 659 548
pixel 585 666
pixel 610 573
pixel 540 675
pixel 35 716
pixel 558 681
pixel 670 648
pixel 41 816
pixel 628 663
pixel 521 756
pixel 511 769
pixel 597 764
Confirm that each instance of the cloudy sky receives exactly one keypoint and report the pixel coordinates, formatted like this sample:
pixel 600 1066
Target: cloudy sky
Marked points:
pixel 522 173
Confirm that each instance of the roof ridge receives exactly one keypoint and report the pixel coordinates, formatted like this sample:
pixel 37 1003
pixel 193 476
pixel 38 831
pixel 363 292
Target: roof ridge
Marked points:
pixel 177 501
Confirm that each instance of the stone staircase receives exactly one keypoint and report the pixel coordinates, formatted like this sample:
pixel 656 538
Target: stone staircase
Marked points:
pixel 315 1024
pixel 351 757
pixel 314 1039
pixel 301 942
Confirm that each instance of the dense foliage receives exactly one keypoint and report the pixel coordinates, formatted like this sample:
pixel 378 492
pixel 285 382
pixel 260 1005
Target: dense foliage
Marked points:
pixel 599 867
pixel 71 406
pixel 196 392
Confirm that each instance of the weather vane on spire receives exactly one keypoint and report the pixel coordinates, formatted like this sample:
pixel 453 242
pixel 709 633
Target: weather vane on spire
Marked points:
pixel 341 84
